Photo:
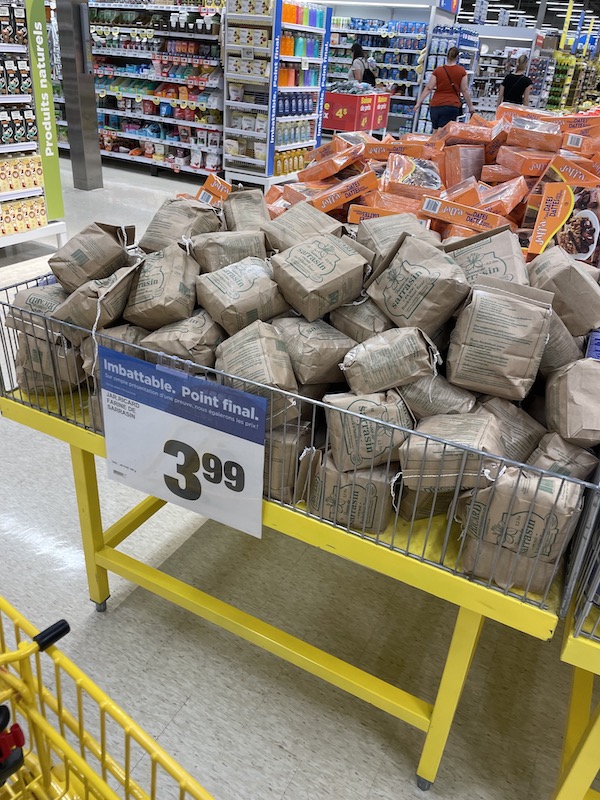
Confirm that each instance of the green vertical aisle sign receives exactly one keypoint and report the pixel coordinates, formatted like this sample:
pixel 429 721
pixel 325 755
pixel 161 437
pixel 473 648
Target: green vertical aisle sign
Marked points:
pixel 44 104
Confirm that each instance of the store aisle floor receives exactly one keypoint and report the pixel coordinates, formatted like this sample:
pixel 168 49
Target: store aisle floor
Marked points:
pixel 246 724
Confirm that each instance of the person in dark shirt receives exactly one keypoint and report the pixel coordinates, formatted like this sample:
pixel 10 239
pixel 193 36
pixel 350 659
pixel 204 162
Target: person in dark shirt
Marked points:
pixel 516 87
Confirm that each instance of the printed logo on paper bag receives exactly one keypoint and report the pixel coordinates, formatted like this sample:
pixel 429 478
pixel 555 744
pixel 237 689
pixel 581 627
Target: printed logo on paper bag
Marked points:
pixel 408 290
pixel 364 439
pixel 525 530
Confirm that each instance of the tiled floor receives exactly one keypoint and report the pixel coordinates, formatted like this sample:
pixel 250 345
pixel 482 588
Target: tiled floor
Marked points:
pixel 246 724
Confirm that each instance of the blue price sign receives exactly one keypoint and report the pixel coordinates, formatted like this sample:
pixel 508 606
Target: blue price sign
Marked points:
pixel 183 439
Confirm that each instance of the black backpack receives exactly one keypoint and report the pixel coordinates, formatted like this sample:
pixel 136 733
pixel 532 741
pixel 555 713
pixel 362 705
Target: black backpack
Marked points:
pixel 368 76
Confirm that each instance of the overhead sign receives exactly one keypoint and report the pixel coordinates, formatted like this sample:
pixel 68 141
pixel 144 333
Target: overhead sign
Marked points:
pixel 452 6
pixel 183 439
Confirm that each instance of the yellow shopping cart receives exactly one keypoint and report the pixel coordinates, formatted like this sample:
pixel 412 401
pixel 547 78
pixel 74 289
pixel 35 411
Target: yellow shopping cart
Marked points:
pixel 62 737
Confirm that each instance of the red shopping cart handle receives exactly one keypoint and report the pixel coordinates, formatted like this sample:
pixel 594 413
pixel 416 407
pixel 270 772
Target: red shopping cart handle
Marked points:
pixel 51 635
pixel 10 740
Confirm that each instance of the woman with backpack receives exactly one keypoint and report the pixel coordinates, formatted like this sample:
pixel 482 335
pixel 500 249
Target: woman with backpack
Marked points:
pixel 449 85
pixel 360 70
pixel 516 86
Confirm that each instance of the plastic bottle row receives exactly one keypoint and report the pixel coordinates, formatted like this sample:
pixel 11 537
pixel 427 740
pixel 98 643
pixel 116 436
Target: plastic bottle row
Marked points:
pixel 290 162
pixel 295 105
pixel 292 132
pixel 289 76
pixel 297 45
pixel 303 14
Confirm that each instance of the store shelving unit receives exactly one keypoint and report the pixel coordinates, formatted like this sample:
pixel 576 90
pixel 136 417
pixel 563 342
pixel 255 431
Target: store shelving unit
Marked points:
pixel 275 75
pixel 486 84
pixel 31 204
pixel 159 84
pixel 442 39
pixel 541 72
pixel 395 46
pixel 562 80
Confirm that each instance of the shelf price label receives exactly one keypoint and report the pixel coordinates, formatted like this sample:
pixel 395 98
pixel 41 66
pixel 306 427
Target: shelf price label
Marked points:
pixel 183 439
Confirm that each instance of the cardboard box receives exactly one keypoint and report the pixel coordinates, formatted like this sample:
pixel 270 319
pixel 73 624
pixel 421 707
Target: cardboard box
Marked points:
pixel 345 191
pixel 474 218
pixel 358 213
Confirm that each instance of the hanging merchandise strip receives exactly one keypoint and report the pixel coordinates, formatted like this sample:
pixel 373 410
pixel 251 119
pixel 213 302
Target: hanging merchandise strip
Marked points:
pixel 42 89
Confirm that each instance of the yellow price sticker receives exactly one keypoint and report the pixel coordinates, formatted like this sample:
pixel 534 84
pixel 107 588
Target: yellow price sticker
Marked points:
pixel 150 33
pixel 138 98
pixel 173 103
pixel 202 106
pixel 183 104
pixel 115 31
pixel 118 95
pixel 156 101
pixel 102 93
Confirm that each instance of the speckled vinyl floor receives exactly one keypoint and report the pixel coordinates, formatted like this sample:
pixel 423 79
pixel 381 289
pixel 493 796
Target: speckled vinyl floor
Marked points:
pixel 244 723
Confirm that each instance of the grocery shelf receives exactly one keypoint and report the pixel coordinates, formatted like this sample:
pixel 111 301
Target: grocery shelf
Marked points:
pixel 298 88
pixel 260 50
pixel 62 123
pixel 18 148
pixel 239 104
pixel 57 228
pixel 155 98
pixel 159 164
pixel 156 55
pixel 19 194
pixel 165 120
pixel 151 76
pixel 156 33
pixel 384 32
pixel 257 19
pixel 299 59
pixel 403 97
pixel 154 140
pixel 249 134
pixel 246 78
pixel 297 118
pixel 145 7
pixel 245 159
pixel 58 99
pixel 15 98
pixel 14 48
pixel 407 116
pixel 293 26
pixel 280 148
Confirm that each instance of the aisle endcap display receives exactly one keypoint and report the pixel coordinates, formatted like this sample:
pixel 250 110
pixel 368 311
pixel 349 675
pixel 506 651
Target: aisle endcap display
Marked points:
pixel 31 205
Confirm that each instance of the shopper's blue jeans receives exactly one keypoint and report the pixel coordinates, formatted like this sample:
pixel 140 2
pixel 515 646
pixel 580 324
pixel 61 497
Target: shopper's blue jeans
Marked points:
pixel 442 115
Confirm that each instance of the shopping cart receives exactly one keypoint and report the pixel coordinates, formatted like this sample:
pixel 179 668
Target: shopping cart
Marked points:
pixel 65 737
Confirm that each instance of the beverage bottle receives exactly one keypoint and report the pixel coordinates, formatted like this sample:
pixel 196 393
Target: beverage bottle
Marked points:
pixel 286 105
pixel 280 106
pixel 311 105
pixel 278 165
pixel 299 46
pixel 299 14
pixel 295 162
pixel 293 105
pixel 312 16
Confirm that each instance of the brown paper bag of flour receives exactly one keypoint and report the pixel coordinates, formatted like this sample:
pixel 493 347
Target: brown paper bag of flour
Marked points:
pixel 94 253
pixel 358 443
pixel 496 254
pixel 561 348
pixel 428 464
pixel 299 223
pixel 520 433
pixel 319 275
pixel 240 293
pixel 257 354
pixel 360 500
pixel 315 348
pixel 177 218
pixel 433 395
pixel 164 291
pixel 246 210
pixel 572 394
pixel 506 568
pixel 127 336
pixel 390 359
pixel 421 288
pixel 283 447
pixel 360 248
pixel 554 454
pixel 532 515
pixel 213 251
pixel 57 363
pixel 499 339
pixel 29 303
pixel 384 235
pixel 576 294
pixel 97 303
pixel 423 504
pixel 193 339
pixel 360 320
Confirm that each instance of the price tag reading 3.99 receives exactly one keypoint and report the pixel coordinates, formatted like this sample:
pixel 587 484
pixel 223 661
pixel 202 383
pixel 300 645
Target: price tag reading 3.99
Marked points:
pixel 185 440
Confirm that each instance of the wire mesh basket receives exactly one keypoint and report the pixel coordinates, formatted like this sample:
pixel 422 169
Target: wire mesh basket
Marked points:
pixel 78 744
pixel 463 509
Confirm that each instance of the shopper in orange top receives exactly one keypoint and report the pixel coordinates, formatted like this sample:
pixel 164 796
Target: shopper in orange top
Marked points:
pixel 449 85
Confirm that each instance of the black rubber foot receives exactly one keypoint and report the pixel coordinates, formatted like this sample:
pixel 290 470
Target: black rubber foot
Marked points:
pixel 101 606
pixel 424 785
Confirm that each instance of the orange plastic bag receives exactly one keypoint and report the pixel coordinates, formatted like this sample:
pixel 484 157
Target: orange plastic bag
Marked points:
pixel 502 199
pixel 329 166
pixel 535 134
pixel 523 161
pixel 412 177
pixel 462 161
pixel 496 173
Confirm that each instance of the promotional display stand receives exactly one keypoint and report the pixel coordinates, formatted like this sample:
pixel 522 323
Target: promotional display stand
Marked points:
pixel 31 205
pixel 275 76
pixel 356 112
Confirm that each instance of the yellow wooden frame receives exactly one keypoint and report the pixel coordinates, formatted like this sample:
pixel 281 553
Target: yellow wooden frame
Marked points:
pixel 581 750
pixel 475 602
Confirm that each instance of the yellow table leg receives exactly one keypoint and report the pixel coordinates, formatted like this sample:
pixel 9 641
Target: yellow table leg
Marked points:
pixel 90 520
pixel 460 655
pixel 582 768
pixel 580 709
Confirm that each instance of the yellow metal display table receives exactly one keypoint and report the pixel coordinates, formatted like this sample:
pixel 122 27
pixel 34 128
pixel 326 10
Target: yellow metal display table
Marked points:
pixel 476 602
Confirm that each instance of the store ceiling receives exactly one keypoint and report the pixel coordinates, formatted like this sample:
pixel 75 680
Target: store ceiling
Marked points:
pixel 555 12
